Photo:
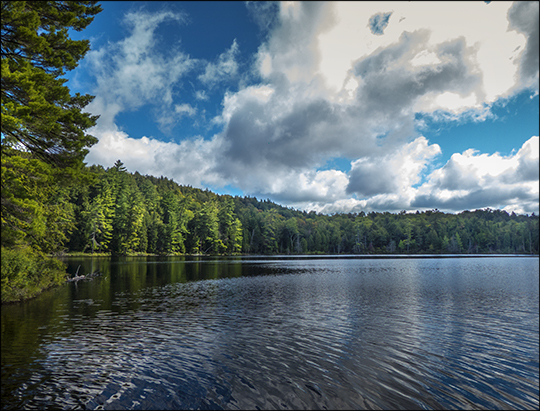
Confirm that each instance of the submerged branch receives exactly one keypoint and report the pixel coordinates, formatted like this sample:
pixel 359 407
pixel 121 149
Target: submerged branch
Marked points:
pixel 84 277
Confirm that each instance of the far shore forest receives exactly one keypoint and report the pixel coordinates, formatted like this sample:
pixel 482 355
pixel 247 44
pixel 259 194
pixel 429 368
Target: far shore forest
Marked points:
pixel 116 212
pixel 53 204
pixel 122 213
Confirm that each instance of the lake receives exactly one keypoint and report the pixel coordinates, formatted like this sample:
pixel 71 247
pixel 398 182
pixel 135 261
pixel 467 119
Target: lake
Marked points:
pixel 280 332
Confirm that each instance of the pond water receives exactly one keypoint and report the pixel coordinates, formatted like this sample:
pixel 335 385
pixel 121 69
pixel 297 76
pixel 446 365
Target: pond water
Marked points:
pixel 279 333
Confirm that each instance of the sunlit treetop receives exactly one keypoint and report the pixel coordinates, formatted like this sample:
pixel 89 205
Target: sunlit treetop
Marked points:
pixel 39 115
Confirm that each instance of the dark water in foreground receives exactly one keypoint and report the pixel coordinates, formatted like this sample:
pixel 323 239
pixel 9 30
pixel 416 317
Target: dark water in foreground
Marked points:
pixel 279 333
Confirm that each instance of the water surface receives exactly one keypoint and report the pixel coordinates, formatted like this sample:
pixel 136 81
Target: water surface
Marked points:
pixel 279 333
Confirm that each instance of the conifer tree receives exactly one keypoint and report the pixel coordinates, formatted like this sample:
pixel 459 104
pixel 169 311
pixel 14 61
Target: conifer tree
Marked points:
pixel 43 131
pixel 39 114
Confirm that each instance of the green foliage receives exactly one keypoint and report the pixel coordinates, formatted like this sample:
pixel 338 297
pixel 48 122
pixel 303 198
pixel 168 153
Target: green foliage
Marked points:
pixel 171 231
pixel 25 273
pixel 207 229
pixel 123 213
pixel 38 112
pixel 167 218
pixel 35 209
pixel 43 140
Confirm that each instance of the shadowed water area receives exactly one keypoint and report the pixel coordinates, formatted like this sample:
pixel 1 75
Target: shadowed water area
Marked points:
pixel 279 333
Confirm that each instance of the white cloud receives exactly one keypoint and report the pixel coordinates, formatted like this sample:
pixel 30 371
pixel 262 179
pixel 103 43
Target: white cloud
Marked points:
pixel 331 88
pixel 292 48
pixel 469 180
pixel 473 180
pixel 385 182
pixel 483 26
pixel 225 68
pixel 296 188
pixel 527 169
pixel 523 18
pixel 130 73
pixel 189 162
pixel 201 95
pixel 423 62
pixel 393 173
pixel 185 109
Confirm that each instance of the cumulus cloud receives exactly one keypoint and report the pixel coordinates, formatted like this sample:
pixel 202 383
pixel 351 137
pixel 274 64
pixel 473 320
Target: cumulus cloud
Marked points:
pixel 390 83
pixel 474 180
pixel 392 173
pixel 291 53
pixel 189 162
pixel 523 17
pixel 336 91
pixel 293 124
pixel 469 180
pixel 483 27
pixel 302 120
pixel 299 188
pixel 527 169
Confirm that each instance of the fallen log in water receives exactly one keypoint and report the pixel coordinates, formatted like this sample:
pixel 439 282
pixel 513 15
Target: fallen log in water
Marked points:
pixel 76 278
pixel 84 277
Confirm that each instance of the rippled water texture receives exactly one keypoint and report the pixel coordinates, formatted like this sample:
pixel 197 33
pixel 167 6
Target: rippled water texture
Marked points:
pixel 280 333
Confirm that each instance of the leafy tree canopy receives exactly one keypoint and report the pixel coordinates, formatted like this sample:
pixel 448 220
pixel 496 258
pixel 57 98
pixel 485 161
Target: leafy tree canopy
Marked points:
pixel 39 115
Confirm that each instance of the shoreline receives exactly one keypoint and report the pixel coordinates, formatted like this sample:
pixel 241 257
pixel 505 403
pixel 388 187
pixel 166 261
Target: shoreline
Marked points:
pixel 374 255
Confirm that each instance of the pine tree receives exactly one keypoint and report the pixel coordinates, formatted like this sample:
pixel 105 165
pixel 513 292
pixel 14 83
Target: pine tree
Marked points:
pixel 41 120
pixel 170 239
pixel 38 112
pixel 207 229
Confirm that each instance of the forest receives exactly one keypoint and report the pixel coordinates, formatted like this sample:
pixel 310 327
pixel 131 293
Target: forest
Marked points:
pixel 122 213
pixel 116 212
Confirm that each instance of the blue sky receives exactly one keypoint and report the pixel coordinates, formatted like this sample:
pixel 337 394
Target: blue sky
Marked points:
pixel 325 106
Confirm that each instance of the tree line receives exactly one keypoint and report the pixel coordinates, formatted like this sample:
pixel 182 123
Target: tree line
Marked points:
pixel 123 213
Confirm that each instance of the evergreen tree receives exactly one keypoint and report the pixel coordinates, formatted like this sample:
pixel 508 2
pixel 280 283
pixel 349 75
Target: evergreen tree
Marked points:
pixel 171 238
pixel 236 237
pixel 101 216
pixel 41 120
pixel 35 210
pixel 206 229
pixel 38 112
pixel 227 224
pixel 180 220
